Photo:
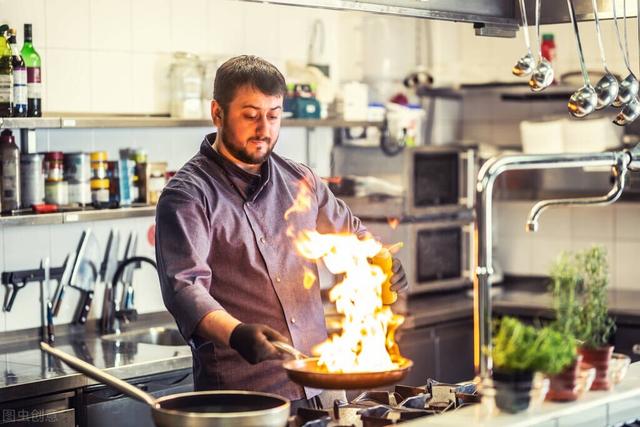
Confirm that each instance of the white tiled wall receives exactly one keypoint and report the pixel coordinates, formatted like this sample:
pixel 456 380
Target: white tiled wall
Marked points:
pixel 569 229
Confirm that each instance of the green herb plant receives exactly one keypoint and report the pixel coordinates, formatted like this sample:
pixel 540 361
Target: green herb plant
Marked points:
pixel 579 286
pixel 518 348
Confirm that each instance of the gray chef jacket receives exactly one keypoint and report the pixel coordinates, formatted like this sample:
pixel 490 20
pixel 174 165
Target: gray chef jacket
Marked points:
pixel 223 245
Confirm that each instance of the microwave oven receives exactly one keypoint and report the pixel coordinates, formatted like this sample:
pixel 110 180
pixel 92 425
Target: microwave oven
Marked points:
pixel 435 180
pixel 436 255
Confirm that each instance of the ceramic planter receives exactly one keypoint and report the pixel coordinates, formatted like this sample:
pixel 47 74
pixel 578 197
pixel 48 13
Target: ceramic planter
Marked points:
pixel 599 358
pixel 513 390
pixel 564 385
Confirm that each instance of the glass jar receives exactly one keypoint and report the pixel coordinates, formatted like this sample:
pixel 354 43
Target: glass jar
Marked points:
pixel 54 166
pixel 185 76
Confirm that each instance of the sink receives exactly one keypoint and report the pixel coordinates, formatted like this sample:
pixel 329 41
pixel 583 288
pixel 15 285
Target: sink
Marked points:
pixel 156 336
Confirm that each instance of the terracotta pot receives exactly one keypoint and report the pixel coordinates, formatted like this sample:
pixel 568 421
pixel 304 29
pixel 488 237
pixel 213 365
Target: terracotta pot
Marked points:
pixel 599 358
pixel 563 386
pixel 513 390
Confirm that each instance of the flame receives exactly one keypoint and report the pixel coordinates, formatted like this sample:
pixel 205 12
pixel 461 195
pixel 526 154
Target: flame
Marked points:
pixel 302 203
pixel 393 223
pixel 366 342
pixel 309 279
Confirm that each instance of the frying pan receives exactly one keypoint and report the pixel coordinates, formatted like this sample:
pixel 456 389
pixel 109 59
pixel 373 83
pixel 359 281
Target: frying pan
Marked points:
pixel 305 371
pixel 196 409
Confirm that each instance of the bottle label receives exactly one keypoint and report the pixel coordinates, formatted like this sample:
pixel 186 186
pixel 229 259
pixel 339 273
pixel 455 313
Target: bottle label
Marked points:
pixel 33 82
pixel 9 179
pixel 20 86
pixel 6 88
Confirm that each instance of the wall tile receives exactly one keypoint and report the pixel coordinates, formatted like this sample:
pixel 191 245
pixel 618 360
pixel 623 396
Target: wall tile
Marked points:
pixel 156 142
pixel 65 66
pixel 261 38
pixel 592 222
pixel 187 25
pixel 111 82
pixel 68 24
pixel 545 251
pixel 511 217
pixel 111 24
pixel 222 35
pixel 150 88
pixel 515 254
pixel 69 140
pixel 30 12
pixel 112 140
pixel 626 221
pixel 626 265
pixel 185 144
pixel 18 241
pixel 151 25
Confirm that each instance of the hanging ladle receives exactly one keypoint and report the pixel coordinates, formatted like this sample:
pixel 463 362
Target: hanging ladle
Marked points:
pixel 629 86
pixel 631 111
pixel 584 100
pixel 526 64
pixel 607 87
pixel 542 76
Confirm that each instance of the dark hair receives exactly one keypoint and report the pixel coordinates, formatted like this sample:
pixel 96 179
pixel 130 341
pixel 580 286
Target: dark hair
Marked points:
pixel 246 70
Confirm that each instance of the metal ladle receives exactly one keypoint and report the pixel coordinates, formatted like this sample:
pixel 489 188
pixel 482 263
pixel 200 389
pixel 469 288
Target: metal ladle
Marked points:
pixel 607 87
pixel 526 64
pixel 584 100
pixel 629 86
pixel 631 111
pixel 542 76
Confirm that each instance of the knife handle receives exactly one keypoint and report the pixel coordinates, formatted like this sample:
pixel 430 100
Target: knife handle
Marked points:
pixel 85 307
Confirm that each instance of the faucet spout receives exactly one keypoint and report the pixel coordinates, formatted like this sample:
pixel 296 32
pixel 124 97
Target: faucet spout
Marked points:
pixel 619 172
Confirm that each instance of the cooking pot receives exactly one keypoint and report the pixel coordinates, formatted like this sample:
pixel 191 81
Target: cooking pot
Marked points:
pixel 220 408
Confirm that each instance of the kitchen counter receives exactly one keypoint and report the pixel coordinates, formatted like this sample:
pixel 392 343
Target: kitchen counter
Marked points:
pixel 595 408
pixel 28 371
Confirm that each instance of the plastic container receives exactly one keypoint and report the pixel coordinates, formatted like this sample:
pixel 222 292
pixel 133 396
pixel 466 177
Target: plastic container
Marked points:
pixel 56 193
pixel 99 165
pixel 100 193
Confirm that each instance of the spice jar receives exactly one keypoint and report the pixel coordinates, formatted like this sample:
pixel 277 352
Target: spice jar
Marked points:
pixel 31 179
pixel 99 165
pixel 56 192
pixel 54 166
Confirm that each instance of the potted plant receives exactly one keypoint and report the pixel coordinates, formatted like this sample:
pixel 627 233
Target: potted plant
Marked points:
pixel 518 352
pixel 579 288
pixel 595 327
pixel 565 283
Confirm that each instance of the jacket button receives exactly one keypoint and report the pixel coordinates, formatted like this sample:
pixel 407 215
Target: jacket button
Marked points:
pixel 293 320
pixel 263 240
pixel 278 279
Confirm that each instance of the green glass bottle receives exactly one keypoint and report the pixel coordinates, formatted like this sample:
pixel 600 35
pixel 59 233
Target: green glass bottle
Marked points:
pixel 6 74
pixel 34 82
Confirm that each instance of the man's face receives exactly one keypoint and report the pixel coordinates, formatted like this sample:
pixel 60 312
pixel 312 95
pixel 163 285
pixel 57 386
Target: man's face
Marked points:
pixel 250 127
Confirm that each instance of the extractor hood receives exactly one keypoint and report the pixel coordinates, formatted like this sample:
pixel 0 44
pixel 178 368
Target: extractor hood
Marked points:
pixel 490 17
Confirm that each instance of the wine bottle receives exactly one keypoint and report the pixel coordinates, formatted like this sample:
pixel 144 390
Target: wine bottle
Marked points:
pixel 6 74
pixel 32 61
pixel 19 78
pixel 10 174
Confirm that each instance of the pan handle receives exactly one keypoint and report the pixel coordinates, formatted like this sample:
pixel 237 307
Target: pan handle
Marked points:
pixel 100 376
pixel 283 347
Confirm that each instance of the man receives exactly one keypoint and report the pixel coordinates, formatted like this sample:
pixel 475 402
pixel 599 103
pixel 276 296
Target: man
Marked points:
pixel 229 273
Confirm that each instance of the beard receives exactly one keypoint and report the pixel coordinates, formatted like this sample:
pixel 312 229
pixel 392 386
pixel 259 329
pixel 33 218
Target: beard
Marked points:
pixel 239 151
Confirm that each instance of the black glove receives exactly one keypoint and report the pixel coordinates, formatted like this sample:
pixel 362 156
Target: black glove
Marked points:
pixel 399 282
pixel 252 341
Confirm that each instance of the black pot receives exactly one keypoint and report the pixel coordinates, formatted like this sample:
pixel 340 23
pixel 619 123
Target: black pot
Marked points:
pixel 513 390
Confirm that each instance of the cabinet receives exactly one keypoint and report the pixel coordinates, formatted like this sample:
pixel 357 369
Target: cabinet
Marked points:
pixel 55 410
pixel 102 405
pixel 443 352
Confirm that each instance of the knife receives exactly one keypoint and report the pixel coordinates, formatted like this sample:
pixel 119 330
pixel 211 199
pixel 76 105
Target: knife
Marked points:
pixel 128 276
pixel 64 279
pixel 109 266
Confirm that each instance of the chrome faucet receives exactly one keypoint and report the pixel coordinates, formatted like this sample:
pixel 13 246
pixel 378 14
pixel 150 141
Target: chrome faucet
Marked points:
pixel 115 312
pixel 620 161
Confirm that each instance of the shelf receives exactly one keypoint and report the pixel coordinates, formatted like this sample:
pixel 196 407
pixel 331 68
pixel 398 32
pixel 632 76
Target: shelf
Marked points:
pixel 81 121
pixel 75 216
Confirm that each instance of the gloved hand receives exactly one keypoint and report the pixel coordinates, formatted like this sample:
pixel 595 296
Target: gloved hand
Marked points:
pixel 252 341
pixel 399 282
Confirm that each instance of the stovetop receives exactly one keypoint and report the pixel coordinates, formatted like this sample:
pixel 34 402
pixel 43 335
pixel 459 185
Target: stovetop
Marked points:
pixel 382 408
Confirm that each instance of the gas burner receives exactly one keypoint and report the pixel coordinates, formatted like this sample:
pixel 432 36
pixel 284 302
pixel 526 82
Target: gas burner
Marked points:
pixel 382 408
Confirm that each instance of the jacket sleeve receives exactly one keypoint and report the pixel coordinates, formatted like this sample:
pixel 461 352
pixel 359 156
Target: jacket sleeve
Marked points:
pixel 334 216
pixel 183 247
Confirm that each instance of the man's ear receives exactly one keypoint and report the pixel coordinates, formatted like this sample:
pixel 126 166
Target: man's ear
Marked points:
pixel 216 113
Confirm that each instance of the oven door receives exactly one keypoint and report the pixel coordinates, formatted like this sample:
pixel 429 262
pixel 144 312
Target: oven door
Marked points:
pixel 439 180
pixel 436 256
